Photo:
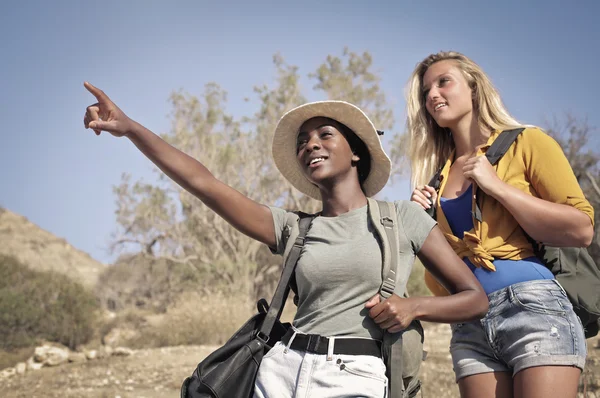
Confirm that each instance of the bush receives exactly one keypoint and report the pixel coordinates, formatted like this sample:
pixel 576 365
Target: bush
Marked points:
pixel 42 305
pixel 198 319
pixel 145 283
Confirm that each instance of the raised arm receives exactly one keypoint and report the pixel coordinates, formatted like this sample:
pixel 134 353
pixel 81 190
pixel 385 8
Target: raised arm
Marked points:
pixel 246 215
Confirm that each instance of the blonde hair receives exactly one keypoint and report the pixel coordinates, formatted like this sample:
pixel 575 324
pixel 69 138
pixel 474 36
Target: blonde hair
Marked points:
pixel 430 145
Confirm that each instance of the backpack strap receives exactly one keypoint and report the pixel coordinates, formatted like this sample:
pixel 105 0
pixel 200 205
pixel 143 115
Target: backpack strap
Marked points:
pixel 435 183
pixel 389 239
pixel 384 218
pixel 494 153
pixel 291 231
pixel 501 144
pixel 283 287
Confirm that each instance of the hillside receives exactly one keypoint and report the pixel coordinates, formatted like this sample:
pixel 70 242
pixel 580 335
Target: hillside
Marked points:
pixel 41 250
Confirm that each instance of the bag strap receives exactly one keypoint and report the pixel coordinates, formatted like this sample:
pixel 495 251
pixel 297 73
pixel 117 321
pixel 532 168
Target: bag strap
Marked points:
pixel 435 183
pixel 283 287
pixel 387 219
pixel 292 226
pixel 494 153
pixel 392 343
pixel 501 144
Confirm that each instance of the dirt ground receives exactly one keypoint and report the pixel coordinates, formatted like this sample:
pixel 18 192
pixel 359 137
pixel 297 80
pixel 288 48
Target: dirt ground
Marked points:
pixel 154 373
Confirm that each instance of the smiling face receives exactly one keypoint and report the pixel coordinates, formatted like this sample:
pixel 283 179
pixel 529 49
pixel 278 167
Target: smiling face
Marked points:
pixel 448 97
pixel 324 153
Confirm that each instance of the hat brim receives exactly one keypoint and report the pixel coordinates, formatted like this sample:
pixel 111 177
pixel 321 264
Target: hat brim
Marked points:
pixel 286 132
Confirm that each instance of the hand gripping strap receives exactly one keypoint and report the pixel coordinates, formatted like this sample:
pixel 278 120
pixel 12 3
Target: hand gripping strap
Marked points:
pixel 494 153
pixel 435 183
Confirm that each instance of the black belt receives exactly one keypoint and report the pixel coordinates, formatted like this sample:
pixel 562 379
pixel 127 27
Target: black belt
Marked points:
pixel 317 344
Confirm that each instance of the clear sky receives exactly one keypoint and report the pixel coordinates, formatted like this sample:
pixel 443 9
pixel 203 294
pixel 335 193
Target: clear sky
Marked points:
pixel 542 55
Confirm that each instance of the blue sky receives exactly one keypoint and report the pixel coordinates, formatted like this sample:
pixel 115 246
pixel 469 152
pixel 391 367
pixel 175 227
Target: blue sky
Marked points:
pixel 542 55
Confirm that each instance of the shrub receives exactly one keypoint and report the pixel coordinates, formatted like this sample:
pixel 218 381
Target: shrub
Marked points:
pixel 144 282
pixel 42 305
pixel 198 319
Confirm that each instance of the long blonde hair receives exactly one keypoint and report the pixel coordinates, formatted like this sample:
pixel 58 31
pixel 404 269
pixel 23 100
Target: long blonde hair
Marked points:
pixel 430 145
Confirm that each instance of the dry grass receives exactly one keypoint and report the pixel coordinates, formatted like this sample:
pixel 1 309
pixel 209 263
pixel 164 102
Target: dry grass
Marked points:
pixel 197 319
pixel 13 357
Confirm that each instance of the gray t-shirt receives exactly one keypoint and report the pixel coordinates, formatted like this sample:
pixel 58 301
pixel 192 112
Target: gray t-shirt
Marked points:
pixel 340 268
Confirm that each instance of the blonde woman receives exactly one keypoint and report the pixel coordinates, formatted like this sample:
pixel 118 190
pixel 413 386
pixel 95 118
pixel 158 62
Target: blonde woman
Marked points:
pixel 531 343
pixel 328 150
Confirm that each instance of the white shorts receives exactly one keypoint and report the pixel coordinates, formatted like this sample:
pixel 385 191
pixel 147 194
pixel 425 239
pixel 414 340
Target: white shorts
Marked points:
pixel 287 373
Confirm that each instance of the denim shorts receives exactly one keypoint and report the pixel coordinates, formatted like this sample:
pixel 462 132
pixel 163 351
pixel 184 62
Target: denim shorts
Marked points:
pixel 528 324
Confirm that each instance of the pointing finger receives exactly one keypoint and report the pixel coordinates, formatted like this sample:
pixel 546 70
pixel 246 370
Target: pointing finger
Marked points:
pixel 96 92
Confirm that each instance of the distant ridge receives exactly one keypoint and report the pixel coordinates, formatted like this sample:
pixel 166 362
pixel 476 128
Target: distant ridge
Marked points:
pixel 41 250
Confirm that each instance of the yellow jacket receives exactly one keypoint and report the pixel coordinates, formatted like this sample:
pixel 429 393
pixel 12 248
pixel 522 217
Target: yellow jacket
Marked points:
pixel 536 165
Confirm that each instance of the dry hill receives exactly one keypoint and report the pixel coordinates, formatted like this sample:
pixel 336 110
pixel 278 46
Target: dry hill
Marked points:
pixel 41 250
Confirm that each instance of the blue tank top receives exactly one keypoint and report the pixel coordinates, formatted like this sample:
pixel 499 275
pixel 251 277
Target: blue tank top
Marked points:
pixel 508 272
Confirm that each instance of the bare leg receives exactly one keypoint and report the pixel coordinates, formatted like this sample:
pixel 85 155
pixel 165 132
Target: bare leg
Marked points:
pixel 547 381
pixel 487 385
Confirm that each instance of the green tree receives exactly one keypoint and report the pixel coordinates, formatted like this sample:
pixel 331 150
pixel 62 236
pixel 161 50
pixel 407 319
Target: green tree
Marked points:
pixel 162 220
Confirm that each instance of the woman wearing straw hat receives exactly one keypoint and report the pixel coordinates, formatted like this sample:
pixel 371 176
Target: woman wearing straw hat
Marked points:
pixel 330 151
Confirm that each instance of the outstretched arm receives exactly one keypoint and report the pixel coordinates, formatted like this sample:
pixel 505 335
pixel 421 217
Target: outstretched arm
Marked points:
pixel 246 215
pixel 467 301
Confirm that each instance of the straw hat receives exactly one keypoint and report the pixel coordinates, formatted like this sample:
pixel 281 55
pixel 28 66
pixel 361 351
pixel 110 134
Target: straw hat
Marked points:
pixel 286 133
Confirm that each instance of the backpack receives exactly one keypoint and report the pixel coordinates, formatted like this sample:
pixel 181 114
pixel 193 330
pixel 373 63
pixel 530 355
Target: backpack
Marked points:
pixel 573 267
pixel 403 351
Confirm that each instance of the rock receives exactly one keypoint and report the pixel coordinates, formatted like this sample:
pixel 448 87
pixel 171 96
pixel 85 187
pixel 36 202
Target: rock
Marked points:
pixel 33 365
pixel 91 354
pixel 21 368
pixel 8 372
pixel 119 336
pixel 105 351
pixel 51 355
pixel 123 351
pixel 77 357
